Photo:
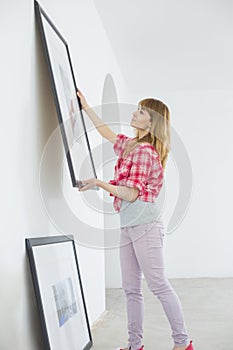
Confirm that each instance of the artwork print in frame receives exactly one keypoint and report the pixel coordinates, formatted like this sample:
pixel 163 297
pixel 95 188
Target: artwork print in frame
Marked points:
pixel 68 105
pixel 59 293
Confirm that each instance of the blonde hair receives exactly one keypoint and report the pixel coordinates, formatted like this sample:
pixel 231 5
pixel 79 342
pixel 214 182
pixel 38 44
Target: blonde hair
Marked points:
pixel 159 135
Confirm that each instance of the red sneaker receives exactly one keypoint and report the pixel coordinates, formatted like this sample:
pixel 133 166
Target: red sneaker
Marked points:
pixel 142 348
pixel 190 346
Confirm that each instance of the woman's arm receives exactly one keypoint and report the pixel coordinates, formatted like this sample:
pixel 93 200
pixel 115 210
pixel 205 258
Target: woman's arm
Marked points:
pixel 102 128
pixel 129 194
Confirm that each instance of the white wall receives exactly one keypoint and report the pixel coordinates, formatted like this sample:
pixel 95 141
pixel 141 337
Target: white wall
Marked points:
pixel 28 119
pixel 201 246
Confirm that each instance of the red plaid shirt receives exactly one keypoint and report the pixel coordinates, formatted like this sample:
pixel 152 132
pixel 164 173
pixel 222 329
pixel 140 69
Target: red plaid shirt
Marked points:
pixel 141 168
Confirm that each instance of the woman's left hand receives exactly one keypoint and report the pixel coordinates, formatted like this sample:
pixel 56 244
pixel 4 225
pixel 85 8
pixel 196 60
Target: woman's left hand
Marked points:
pixel 89 184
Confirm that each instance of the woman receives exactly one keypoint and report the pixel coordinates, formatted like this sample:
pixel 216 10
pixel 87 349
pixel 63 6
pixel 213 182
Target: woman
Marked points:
pixel 137 182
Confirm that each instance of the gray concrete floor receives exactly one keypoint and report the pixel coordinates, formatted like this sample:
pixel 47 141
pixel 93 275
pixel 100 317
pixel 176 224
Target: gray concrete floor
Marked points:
pixel 208 311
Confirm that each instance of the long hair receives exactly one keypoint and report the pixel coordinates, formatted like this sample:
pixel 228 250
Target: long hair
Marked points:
pixel 159 135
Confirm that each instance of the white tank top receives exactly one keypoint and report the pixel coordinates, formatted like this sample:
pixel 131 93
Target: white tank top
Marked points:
pixel 138 212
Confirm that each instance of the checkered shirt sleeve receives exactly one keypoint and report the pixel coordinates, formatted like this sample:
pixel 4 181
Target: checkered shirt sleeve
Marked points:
pixel 119 144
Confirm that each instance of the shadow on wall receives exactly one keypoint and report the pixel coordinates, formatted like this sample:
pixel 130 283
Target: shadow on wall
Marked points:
pixel 110 113
pixel 46 112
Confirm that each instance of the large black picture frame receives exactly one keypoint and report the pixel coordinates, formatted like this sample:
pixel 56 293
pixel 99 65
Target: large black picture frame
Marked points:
pixel 68 105
pixel 59 293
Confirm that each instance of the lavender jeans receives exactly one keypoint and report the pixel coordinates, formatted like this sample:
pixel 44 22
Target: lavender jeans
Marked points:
pixel 141 251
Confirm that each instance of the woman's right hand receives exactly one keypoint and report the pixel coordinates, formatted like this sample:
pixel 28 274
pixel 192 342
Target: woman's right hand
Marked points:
pixel 82 99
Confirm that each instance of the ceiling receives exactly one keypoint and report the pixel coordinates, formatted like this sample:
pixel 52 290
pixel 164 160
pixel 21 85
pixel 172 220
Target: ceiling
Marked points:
pixel 169 44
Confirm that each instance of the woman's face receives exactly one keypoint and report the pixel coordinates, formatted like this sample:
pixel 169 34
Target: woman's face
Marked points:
pixel 140 119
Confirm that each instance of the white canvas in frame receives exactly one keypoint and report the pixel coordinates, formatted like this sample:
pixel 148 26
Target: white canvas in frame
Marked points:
pixel 61 296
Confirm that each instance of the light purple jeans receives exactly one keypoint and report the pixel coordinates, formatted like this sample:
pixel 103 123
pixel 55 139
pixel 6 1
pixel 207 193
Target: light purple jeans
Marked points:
pixel 141 251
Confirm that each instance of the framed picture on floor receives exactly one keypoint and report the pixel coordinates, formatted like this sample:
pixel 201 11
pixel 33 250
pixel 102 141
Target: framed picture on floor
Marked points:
pixel 59 293
pixel 68 106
